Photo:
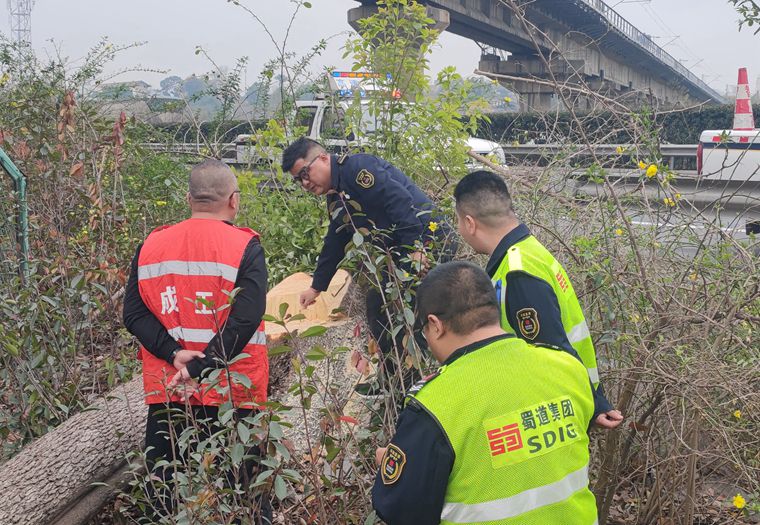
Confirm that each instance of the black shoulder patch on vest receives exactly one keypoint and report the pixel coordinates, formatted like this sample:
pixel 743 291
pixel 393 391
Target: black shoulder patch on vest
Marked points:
pixel 392 464
pixel 527 322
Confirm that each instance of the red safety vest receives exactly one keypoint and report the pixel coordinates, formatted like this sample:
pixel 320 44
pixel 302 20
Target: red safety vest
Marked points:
pixel 179 264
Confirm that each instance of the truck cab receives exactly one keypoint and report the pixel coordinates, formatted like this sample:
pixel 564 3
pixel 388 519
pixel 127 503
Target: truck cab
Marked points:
pixel 326 121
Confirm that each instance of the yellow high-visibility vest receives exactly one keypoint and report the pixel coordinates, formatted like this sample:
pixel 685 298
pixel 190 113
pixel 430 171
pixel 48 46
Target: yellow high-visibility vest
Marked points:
pixel 531 257
pixel 516 416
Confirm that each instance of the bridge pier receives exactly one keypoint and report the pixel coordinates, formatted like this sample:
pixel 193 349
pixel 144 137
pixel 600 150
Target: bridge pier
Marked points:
pixel 543 97
pixel 402 79
pixel 533 97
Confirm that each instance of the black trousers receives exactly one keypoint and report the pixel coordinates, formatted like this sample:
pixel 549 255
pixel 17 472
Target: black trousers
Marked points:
pixel 377 314
pixel 165 424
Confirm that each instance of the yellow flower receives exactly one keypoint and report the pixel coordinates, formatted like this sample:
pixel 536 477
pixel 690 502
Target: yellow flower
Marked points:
pixel 619 231
pixel 669 202
pixel 433 226
pixel 619 150
pixel 678 196
pixel 160 203
pixel 642 165
pixel 739 501
pixel 651 170
pixel 507 100
pixel 494 81
pixel 693 277
pixel 738 414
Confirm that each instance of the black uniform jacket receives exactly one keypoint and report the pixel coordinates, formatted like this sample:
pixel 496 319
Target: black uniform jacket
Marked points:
pixel 388 201
pixel 527 291
pixel 244 319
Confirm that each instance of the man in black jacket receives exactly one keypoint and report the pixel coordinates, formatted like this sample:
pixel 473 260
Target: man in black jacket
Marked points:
pixel 398 215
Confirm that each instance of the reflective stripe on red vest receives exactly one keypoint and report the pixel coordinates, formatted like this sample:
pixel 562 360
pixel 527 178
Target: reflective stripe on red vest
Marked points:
pixel 185 273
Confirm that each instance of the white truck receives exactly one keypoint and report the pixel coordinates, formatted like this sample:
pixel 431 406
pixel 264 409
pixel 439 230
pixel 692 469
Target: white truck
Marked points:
pixel 730 155
pixel 326 124
pixel 325 119
pixel 730 159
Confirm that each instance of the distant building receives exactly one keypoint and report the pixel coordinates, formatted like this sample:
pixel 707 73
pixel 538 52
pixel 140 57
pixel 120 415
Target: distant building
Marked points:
pixel 125 90
pixel 138 99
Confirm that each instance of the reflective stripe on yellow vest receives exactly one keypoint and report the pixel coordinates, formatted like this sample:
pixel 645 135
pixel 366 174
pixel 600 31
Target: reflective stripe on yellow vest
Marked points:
pixel 531 257
pixel 516 417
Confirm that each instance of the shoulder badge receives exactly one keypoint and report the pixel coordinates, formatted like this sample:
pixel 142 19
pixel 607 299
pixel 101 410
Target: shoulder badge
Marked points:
pixel 365 179
pixel 527 321
pixel 342 158
pixel 392 465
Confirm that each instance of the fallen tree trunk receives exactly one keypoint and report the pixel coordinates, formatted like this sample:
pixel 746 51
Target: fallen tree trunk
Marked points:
pixel 51 480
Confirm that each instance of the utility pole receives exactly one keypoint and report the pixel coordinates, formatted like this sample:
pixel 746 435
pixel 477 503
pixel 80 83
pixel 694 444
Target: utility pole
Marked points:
pixel 21 20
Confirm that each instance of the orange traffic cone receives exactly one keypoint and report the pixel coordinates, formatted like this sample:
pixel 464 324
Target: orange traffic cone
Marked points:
pixel 743 118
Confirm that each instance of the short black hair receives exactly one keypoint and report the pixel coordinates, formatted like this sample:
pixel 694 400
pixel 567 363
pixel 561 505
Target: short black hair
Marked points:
pixel 211 182
pixel 484 195
pixel 461 295
pixel 298 150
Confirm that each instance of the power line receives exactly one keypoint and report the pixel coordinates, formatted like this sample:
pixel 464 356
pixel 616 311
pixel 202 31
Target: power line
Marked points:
pixel 679 42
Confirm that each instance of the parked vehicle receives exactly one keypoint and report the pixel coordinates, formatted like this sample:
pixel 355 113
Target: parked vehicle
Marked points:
pixel 325 119
pixel 732 154
pixel 731 157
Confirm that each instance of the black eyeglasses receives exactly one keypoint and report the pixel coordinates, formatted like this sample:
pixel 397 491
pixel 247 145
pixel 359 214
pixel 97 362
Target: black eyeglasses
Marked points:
pixel 234 192
pixel 303 173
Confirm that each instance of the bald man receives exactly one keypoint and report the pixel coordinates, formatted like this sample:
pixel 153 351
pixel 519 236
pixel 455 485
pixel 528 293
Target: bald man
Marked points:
pixel 176 304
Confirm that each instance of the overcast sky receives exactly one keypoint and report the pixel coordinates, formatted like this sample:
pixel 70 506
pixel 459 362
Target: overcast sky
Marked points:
pixel 702 33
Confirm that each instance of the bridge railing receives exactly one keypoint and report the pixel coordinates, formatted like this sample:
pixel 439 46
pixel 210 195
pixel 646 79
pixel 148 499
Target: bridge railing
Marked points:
pixel 642 39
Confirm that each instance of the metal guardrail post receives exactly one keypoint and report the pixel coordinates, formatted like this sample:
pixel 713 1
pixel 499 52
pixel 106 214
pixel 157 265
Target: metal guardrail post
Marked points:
pixel 22 224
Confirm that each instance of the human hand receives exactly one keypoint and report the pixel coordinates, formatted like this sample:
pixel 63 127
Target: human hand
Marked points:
pixel 420 262
pixel 183 357
pixel 609 420
pixel 308 297
pixel 184 385
pixel 379 453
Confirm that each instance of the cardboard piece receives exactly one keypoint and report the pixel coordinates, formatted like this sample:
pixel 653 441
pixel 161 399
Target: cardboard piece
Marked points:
pixel 320 313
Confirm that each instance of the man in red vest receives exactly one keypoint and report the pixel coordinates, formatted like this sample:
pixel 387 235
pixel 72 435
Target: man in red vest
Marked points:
pixel 176 301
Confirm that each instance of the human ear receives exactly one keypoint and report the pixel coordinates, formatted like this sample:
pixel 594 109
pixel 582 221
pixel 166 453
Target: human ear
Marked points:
pixel 436 328
pixel 471 224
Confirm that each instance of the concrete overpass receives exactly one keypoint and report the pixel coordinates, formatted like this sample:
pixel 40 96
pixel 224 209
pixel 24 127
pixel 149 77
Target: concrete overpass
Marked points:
pixel 580 40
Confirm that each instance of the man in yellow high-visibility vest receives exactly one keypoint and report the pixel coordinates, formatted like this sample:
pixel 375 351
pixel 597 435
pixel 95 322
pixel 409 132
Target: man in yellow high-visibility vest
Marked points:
pixel 499 434
pixel 535 294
